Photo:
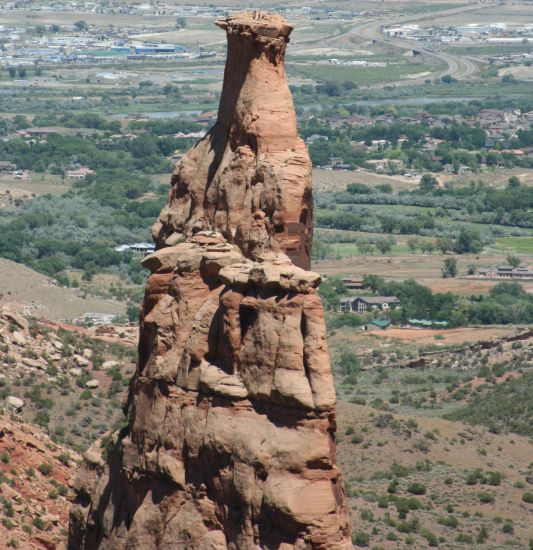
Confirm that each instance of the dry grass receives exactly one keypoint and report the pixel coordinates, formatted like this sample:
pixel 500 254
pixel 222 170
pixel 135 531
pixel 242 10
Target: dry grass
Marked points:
pixel 37 184
pixel 450 336
pixel 452 452
pixel 425 268
pixel 34 294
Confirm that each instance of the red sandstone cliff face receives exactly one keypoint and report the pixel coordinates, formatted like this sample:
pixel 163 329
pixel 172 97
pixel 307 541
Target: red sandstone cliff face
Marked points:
pixel 230 439
pixel 252 161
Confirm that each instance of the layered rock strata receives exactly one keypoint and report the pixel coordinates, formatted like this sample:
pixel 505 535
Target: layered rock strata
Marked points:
pixel 231 413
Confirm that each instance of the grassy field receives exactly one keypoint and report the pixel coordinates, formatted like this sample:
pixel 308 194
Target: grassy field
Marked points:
pixel 34 294
pixel 426 269
pixel 362 75
pixel 521 245
pixel 36 184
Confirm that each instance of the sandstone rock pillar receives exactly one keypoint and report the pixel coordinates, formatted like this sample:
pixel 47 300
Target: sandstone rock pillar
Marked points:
pixel 229 442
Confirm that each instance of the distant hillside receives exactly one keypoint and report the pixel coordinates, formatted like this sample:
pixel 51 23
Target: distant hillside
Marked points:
pixel 30 292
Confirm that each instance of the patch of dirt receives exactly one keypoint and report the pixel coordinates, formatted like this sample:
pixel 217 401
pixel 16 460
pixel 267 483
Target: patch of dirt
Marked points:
pixel 451 336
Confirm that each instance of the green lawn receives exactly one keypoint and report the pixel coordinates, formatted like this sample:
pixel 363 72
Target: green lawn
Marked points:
pixel 361 75
pixel 522 245
pixel 350 249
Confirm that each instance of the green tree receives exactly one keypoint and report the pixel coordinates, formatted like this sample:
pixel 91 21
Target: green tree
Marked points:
pixel 468 241
pixel 373 282
pixel 181 23
pixel 513 182
pixel 513 261
pixel 413 243
pixel 321 249
pixel 428 182
pixel 427 246
pixel 331 89
pixel 365 247
pixel 81 25
pixel 449 269
pixel 444 244
pixel 383 245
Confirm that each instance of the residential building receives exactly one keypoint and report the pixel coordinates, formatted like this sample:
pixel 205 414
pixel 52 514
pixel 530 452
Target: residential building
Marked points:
pixel 6 166
pixel 352 283
pixel 139 248
pixel 426 323
pixel 361 304
pixel 506 272
pixel 376 325
pixel 79 173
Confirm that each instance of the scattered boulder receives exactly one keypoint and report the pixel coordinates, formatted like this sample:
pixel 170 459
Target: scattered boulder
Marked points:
pixel 81 361
pixel 15 402
pixel 19 320
pixel 35 363
pixel 91 384
pixel 18 338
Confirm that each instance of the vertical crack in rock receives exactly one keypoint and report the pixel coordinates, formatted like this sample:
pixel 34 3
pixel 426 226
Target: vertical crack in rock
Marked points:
pixel 229 443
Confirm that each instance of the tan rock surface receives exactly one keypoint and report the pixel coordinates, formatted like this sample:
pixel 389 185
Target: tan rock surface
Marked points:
pixel 230 442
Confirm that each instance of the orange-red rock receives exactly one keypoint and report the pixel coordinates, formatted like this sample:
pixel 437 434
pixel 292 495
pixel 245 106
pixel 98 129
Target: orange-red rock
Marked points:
pixel 252 164
pixel 230 440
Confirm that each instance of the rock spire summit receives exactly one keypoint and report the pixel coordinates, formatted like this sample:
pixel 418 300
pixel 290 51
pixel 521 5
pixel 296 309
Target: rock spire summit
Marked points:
pixel 252 164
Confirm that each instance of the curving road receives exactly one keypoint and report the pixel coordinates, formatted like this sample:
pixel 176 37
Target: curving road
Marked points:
pixel 457 67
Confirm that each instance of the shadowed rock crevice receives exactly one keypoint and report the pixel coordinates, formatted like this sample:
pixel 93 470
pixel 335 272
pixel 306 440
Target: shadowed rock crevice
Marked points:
pixel 231 412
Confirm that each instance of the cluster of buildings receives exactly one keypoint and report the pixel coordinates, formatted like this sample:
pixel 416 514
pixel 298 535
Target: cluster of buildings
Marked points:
pixel 161 9
pixel 364 304
pixel 381 304
pixel 23 48
pixel 497 33
pixel 506 272
pixel 356 63
pixel 501 128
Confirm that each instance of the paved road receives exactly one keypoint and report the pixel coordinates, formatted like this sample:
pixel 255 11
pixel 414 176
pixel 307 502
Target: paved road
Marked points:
pixel 456 66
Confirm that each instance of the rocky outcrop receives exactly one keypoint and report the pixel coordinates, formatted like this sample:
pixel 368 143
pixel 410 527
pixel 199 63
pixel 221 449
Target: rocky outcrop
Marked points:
pixel 252 164
pixel 230 439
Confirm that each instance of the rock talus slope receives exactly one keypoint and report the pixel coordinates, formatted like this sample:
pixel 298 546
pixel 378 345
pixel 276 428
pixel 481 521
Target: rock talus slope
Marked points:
pixel 231 413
